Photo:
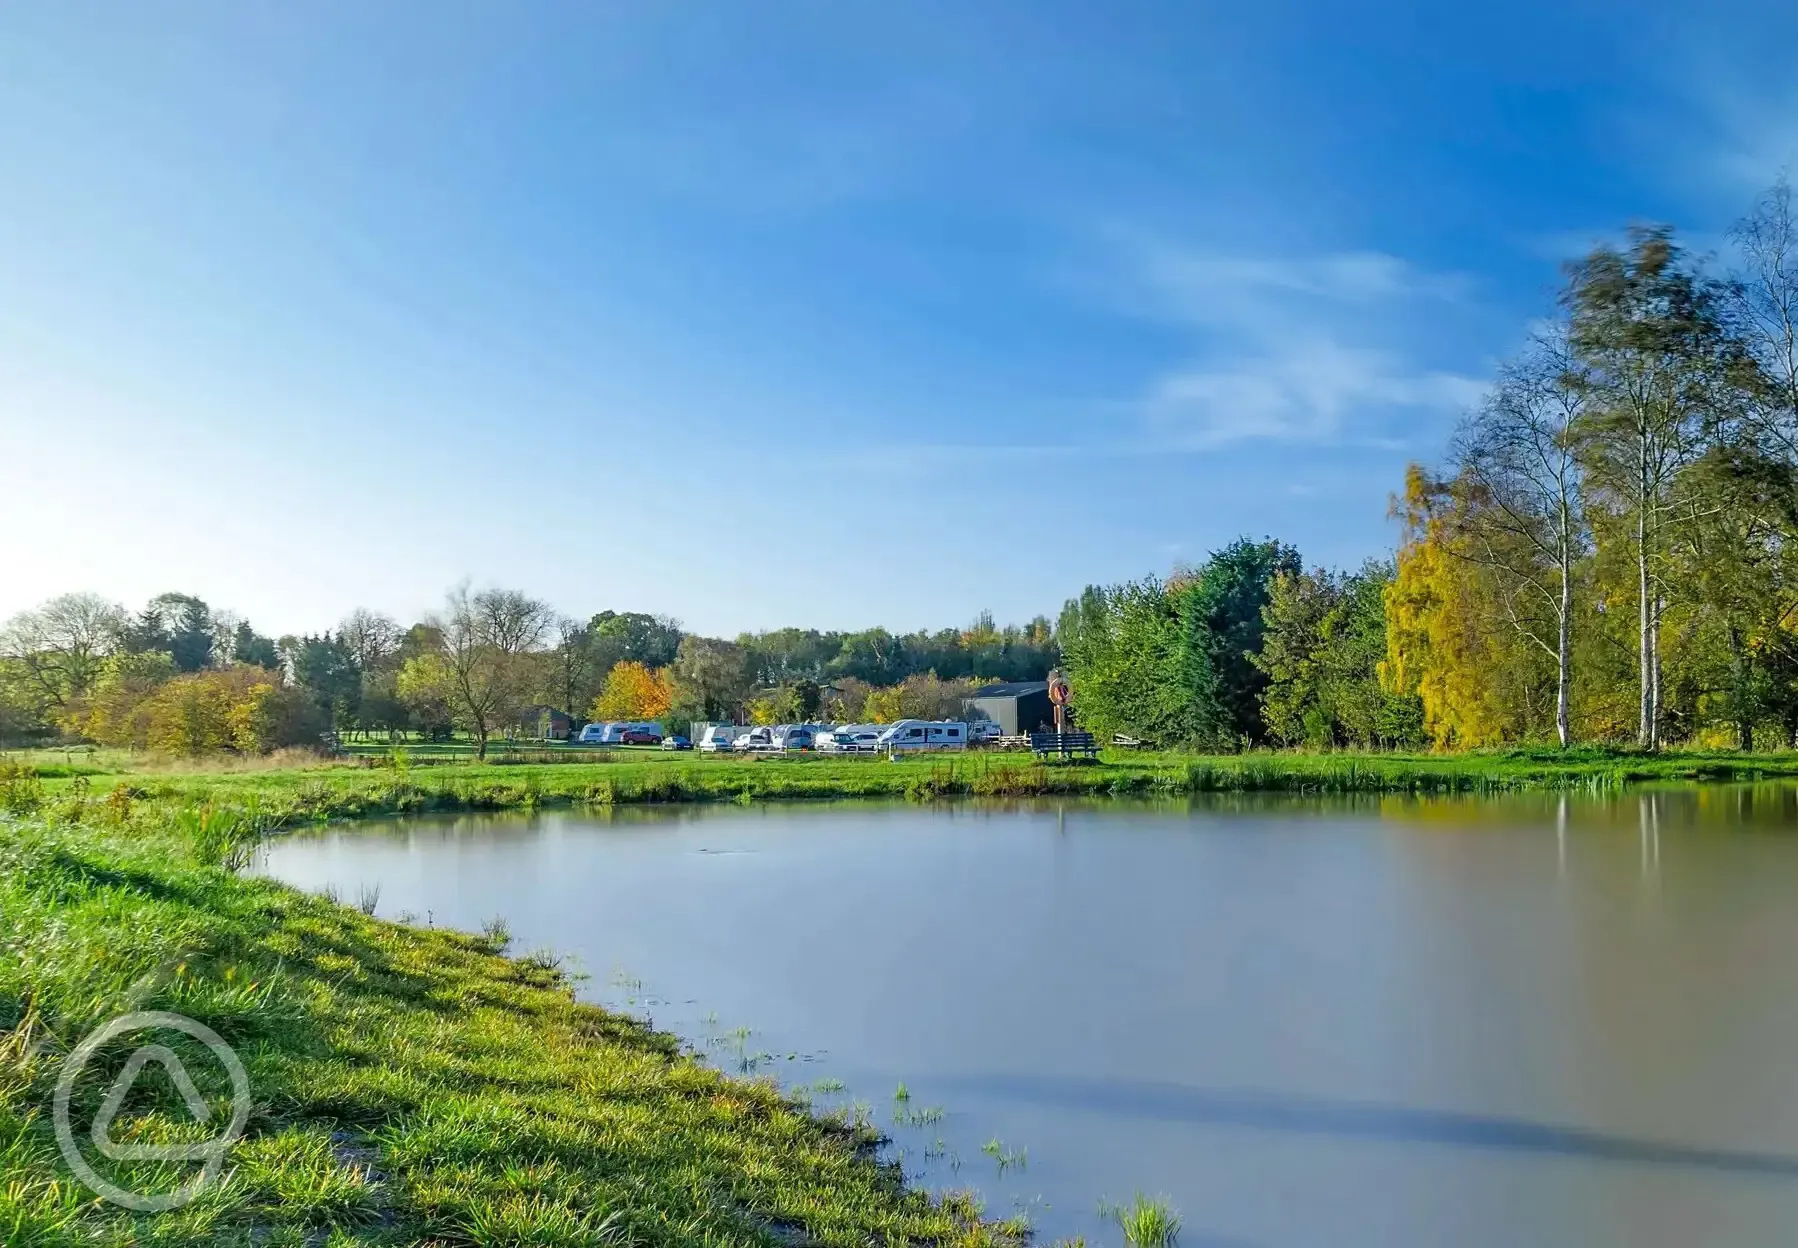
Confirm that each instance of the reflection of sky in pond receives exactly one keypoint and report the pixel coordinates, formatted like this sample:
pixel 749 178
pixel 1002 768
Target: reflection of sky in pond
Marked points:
pixel 1360 1021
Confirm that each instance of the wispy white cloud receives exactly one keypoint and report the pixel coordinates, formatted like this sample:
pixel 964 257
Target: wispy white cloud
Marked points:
pixel 1209 288
pixel 1291 349
pixel 1753 134
pixel 1309 391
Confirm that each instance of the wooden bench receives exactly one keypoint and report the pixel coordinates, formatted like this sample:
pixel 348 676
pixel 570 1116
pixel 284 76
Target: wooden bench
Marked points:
pixel 1064 744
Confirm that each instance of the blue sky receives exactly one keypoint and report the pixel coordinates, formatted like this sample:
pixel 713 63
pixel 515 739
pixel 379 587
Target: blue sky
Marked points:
pixel 306 306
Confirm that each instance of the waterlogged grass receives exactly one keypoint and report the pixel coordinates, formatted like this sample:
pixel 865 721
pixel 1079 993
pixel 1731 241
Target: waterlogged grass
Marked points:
pixel 410 1086
pixel 1008 1158
pixel 397 787
pixel 1146 1222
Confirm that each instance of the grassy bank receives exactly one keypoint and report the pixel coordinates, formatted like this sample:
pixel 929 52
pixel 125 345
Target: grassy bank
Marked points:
pixel 409 1086
pixel 289 789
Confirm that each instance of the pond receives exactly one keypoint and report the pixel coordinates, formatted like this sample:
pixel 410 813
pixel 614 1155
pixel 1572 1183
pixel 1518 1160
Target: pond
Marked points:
pixel 1378 1021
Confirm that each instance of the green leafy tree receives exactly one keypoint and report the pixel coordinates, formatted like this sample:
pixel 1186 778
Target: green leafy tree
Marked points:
pixel 249 646
pixel 186 624
pixel 1220 613
pixel 711 679
pixel 325 670
pixel 1128 665
pixel 57 650
pixel 633 637
pixel 1324 641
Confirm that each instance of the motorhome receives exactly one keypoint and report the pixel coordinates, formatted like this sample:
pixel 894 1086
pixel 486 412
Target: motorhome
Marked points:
pixel 923 734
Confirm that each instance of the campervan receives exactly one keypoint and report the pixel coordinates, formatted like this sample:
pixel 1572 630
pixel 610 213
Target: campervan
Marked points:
pixel 922 734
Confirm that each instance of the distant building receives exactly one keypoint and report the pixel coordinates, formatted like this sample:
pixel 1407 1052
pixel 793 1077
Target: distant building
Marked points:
pixel 1018 706
pixel 545 723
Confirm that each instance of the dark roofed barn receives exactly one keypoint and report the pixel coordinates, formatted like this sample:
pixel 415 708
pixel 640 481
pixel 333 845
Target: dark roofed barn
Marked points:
pixel 1017 706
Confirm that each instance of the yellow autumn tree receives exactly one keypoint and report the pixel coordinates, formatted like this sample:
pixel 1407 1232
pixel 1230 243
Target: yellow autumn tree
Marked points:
pixel 1438 643
pixel 764 710
pixel 634 692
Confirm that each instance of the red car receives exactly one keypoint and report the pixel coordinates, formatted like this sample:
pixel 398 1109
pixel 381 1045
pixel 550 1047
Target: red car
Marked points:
pixel 639 736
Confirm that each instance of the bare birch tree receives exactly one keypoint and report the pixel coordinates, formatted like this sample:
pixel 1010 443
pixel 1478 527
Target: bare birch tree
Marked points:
pixel 1520 470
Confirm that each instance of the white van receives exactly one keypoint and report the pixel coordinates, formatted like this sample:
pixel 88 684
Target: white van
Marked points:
pixel 984 730
pixel 923 734
pixel 594 734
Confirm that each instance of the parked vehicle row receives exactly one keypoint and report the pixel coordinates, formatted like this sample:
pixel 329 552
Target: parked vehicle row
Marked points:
pixel 618 732
pixel 907 734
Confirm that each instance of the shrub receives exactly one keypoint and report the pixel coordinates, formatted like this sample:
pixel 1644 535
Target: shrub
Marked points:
pixel 21 792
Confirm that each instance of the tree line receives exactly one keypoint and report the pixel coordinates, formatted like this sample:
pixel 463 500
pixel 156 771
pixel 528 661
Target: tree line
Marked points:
pixel 179 676
pixel 1609 553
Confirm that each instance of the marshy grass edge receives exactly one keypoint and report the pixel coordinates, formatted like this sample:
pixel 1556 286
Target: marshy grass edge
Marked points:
pixel 392 784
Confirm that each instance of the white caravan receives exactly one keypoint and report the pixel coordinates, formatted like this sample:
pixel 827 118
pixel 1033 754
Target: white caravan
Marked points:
pixel 923 734
pixel 613 733
pixel 717 738
pixel 754 739
pixel 849 739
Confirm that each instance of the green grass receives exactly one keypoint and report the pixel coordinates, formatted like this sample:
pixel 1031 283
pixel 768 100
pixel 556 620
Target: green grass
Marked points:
pixel 1147 1223
pixel 410 1086
pixel 384 785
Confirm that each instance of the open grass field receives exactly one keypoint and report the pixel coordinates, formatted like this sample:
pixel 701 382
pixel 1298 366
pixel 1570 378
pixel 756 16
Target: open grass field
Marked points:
pixel 407 1086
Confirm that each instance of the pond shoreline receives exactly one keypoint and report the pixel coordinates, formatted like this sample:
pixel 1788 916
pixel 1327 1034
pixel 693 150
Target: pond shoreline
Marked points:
pixel 389 786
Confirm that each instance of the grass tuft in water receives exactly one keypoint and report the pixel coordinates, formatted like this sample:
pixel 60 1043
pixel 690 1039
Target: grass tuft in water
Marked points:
pixel 497 933
pixel 1008 1158
pixel 1146 1222
pixel 368 899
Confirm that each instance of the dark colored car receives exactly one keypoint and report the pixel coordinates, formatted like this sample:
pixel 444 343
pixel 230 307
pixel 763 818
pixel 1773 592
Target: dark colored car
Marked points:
pixel 639 736
pixel 676 742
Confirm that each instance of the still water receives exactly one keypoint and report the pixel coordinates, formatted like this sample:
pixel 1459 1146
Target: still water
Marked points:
pixel 1531 1021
